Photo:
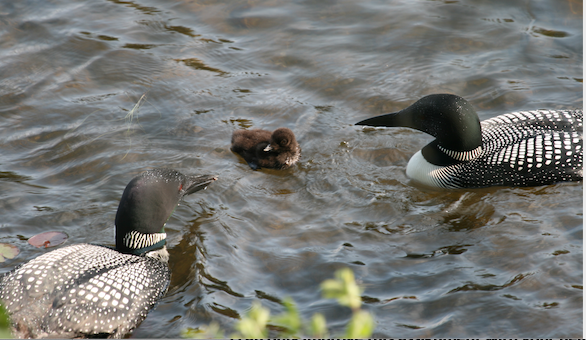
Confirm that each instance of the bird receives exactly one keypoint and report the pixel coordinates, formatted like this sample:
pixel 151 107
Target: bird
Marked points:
pixel 87 290
pixel 518 149
pixel 265 149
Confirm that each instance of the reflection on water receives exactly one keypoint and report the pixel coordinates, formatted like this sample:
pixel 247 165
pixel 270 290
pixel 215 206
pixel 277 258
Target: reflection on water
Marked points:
pixel 498 262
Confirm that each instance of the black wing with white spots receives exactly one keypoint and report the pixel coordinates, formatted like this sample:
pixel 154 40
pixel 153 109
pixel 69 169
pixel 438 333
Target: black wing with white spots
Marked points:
pixel 524 149
pixel 83 290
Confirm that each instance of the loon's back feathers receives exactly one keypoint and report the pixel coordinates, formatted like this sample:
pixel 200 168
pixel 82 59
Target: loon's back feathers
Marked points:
pixel 534 147
pixel 90 290
pixel 526 148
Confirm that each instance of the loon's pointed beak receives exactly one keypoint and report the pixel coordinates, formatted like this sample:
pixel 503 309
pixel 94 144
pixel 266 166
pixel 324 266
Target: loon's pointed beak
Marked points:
pixel 197 183
pixel 268 148
pixel 449 118
pixel 389 119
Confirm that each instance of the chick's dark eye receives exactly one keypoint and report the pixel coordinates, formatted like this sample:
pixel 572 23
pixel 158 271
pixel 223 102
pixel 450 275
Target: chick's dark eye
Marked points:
pixel 284 142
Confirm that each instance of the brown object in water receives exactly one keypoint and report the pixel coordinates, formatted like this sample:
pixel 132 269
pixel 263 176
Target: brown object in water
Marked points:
pixel 263 149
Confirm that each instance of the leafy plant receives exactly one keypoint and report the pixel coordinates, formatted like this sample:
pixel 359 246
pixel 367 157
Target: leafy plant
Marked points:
pixel 5 331
pixel 255 323
pixel 347 292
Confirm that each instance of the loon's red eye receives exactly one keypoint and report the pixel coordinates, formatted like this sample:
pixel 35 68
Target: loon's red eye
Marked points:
pixel 180 186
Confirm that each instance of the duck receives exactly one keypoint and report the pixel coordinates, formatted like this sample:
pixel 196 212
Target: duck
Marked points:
pixel 265 149
pixel 518 149
pixel 89 290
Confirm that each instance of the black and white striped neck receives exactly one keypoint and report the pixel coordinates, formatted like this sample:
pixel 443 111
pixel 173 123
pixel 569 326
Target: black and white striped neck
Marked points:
pixel 137 243
pixel 436 154
pixel 462 156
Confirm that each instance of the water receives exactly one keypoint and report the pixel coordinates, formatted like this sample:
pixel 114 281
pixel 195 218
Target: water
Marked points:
pixel 497 262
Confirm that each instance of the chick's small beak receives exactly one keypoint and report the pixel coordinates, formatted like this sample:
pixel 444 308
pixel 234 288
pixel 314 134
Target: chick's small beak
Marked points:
pixel 268 148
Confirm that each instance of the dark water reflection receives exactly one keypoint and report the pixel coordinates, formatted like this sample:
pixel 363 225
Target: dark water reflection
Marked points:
pixel 498 262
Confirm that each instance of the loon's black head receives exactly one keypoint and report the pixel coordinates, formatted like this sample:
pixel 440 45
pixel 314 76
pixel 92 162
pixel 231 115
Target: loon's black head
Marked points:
pixel 147 203
pixel 447 117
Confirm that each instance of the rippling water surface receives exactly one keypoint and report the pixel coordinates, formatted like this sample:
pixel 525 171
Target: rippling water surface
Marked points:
pixel 498 262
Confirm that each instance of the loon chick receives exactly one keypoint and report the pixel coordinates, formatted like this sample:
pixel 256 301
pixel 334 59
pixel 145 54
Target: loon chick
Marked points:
pixel 527 148
pixel 90 290
pixel 263 149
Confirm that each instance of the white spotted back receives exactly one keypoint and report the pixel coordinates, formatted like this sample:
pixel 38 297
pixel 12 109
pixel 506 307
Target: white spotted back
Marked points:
pixel 82 290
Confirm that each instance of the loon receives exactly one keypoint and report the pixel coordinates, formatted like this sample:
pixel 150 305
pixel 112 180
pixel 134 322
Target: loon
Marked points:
pixel 526 148
pixel 87 290
pixel 263 149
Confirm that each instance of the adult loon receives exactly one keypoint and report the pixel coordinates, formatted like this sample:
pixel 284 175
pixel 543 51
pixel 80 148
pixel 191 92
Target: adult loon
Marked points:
pixel 527 148
pixel 265 149
pixel 91 290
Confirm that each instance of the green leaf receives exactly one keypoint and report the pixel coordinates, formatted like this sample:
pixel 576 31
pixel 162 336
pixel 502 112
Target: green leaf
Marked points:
pixel 361 325
pixel 319 328
pixel 289 319
pixel 254 324
pixel 8 251
pixel 5 331
pixel 212 331
pixel 343 288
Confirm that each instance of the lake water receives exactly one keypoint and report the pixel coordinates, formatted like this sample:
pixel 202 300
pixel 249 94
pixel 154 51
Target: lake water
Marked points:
pixel 497 262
